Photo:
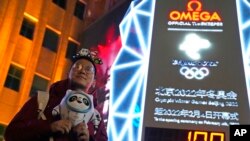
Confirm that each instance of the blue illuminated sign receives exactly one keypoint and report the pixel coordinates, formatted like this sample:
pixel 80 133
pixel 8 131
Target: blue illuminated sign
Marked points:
pixel 129 73
pixel 184 95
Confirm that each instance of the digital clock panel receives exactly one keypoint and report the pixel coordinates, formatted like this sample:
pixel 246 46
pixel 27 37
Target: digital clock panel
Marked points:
pixel 167 134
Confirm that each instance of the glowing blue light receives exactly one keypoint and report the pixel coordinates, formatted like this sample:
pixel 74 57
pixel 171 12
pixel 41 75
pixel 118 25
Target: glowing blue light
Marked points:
pixel 129 73
pixel 243 8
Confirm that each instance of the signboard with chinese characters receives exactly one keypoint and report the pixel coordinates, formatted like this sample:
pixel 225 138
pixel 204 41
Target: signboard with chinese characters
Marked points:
pixel 196 79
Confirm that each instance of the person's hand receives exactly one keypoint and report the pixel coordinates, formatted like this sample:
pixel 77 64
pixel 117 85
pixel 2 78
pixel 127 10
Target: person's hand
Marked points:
pixel 81 131
pixel 63 126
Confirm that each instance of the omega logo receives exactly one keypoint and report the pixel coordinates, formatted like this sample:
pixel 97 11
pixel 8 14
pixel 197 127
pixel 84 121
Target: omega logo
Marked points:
pixel 194 13
pixel 194 3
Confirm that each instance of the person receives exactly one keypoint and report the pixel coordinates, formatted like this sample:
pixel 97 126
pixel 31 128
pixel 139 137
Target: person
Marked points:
pixel 26 126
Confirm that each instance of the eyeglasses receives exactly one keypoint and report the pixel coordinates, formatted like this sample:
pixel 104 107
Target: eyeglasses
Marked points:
pixel 87 69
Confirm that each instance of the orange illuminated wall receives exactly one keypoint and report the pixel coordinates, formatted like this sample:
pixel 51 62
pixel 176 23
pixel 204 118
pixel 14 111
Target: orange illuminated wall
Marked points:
pixel 30 55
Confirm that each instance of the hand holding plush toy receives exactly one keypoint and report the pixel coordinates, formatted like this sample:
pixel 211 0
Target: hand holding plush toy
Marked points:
pixel 78 107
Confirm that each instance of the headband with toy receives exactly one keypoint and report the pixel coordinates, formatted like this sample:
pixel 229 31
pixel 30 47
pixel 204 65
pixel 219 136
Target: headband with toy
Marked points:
pixel 89 55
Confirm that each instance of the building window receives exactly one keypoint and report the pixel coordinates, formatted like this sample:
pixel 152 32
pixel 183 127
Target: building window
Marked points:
pixel 38 83
pixel 50 40
pixel 71 50
pixel 28 28
pixel 79 9
pixel 60 3
pixel 14 77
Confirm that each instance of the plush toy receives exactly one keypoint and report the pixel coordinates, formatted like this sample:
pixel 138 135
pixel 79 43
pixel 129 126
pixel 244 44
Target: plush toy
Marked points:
pixel 78 107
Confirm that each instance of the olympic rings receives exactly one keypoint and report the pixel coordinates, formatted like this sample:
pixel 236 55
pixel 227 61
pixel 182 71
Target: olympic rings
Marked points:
pixel 197 73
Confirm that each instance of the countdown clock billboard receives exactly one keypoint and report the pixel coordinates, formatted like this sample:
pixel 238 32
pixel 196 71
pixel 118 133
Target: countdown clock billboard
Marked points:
pixel 196 85
pixel 182 73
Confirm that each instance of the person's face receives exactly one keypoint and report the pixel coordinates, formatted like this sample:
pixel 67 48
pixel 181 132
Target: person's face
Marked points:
pixel 82 73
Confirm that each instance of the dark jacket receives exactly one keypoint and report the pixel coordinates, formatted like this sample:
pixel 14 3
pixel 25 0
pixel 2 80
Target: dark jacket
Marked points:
pixel 25 126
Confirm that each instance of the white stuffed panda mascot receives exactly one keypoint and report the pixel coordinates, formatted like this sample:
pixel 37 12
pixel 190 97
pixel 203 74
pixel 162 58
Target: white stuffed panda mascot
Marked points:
pixel 78 107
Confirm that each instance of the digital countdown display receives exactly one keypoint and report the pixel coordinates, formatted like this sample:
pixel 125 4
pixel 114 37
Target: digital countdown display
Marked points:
pixel 182 71
pixel 182 135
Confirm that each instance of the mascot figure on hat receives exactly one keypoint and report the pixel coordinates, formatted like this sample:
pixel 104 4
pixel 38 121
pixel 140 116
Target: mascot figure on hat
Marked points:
pixel 78 107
